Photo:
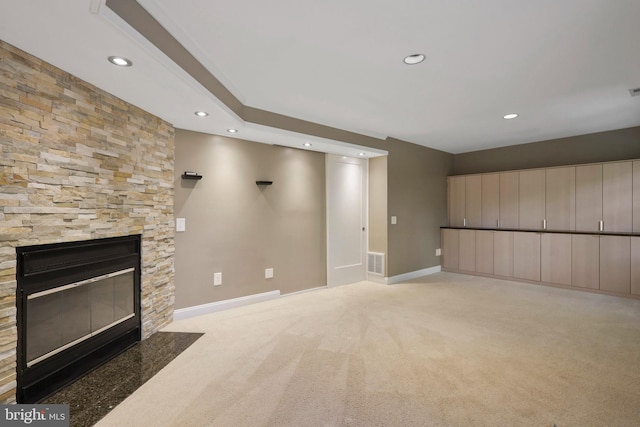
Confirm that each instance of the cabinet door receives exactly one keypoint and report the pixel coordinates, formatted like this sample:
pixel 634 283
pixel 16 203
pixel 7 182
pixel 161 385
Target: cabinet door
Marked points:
pixel 456 196
pixel 484 251
pixel 473 201
pixel 617 196
pixel 555 258
pixel 450 248
pixel 526 256
pixel 503 253
pixel 491 199
pixel 615 264
pixel 636 197
pixel 531 199
pixel 585 261
pixel 560 198
pixel 635 265
pixel 588 197
pixel 509 200
pixel 467 251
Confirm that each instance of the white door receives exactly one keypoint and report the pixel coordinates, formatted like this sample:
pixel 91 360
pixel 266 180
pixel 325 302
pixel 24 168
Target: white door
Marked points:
pixel 346 219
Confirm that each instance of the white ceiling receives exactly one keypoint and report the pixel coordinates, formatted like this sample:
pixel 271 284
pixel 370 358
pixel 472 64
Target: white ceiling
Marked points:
pixel 564 65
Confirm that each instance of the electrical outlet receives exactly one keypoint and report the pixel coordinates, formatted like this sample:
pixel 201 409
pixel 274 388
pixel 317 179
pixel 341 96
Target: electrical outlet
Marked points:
pixel 268 273
pixel 438 252
pixel 217 279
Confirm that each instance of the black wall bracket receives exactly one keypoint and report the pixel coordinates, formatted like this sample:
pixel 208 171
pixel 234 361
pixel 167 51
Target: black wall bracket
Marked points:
pixel 191 175
pixel 264 182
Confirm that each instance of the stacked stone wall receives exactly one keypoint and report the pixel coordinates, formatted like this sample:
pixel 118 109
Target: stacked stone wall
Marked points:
pixel 77 163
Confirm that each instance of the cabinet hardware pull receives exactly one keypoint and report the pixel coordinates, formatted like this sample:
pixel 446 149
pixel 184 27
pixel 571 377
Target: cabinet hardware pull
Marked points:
pixel 464 222
pixel 544 224
pixel 497 223
pixel 601 225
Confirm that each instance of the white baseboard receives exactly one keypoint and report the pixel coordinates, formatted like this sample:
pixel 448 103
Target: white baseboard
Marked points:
pixel 304 291
pixel 213 307
pixel 413 274
pixel 376 278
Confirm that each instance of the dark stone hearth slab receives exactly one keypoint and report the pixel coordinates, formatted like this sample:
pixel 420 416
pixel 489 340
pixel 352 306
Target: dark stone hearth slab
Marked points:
pixel 91 397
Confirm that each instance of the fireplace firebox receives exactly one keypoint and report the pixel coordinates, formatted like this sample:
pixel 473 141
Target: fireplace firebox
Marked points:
pixel 78 305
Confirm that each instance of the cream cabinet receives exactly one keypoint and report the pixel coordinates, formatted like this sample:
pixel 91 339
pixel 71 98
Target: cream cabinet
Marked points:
pixel 503 253
pixel 465 201
pixel 617 197
pixel 526 255
pixel 491 200
pixel 531 199
pixel 575 226
pixel 450 247
pixel 585 261
pixel 555 258
pixel 615 264
pixel 608 263
pixel 588 198
pixel 635 265
pixel 508 200
pixel 456 200
pixel 560 199
pixel 467 250
pixel 473 201
pixel 484 251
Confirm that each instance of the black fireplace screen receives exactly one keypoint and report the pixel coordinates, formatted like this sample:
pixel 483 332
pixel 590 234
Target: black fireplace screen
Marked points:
pixel 78 306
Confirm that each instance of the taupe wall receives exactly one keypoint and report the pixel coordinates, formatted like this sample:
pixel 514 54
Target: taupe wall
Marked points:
pixel 620 144
pixel 378 205
pixel 417 195
pixel 238 228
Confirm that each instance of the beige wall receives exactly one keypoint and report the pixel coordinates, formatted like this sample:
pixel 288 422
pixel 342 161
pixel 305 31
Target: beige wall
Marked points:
pixel 619 144
pixel 77 163
pixel 378 206
pixel 238 228
pixel 417 195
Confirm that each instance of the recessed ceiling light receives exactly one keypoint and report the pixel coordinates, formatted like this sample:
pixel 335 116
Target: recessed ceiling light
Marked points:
pixel 414 59
pixel 120 61
pixel 232 130
pixel 307 144
pixel 201 113
pixel 510 116
pixel 361 154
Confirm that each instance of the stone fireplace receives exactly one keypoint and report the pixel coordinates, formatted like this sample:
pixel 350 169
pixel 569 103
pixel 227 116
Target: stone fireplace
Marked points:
pixel 78 306
pixel 78 164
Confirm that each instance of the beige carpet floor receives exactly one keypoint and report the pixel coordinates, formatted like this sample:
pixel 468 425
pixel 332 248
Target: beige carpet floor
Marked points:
pixel 444 350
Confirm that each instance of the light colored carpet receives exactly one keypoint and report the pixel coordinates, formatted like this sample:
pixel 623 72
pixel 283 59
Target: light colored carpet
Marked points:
pixel 445 350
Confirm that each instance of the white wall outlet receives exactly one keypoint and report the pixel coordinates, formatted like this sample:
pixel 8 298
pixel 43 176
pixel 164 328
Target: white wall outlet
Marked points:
pixel 438 252
pixel 268 273
pixel 181 225
pixel 217 279
pixel 394 219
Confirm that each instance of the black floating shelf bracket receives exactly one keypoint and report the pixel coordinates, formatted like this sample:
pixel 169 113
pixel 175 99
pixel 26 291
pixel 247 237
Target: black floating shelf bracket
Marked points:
pixel 191 175
pixel 264 182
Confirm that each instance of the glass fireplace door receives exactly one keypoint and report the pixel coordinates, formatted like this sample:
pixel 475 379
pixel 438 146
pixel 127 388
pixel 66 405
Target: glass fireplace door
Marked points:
pixel 61 317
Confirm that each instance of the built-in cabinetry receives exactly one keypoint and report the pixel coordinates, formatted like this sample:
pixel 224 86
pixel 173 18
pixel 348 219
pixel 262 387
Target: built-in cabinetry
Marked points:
pixel 531 195
pixel 555 258
pixel 585 261
pixel 575 226
pixel 605 263
pixel 465 201
pixel 491 200
pixel 594 198
pixel 560 198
